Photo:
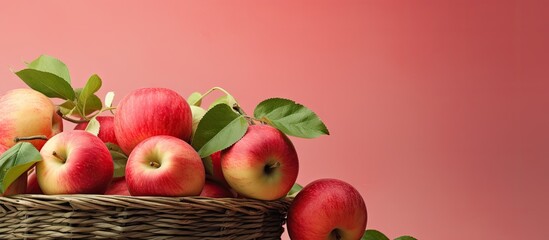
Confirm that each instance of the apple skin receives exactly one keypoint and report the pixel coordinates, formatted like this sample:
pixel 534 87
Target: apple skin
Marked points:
pixel 32 183
pixel 326 208
pixel 118 187
pixel 212 165
pixel 262 165
pixel 106 129
pixel 19 186
pixel 25 113
pixel 164 166
pixel 149 112
pixel 215 190
pixel 74 162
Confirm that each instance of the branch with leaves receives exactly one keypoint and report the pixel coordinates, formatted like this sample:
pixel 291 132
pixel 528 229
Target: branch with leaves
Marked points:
pixel 226 122
pixel 51 77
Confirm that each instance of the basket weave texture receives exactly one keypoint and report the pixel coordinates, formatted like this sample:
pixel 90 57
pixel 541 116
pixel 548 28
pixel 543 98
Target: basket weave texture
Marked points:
pixel 126 217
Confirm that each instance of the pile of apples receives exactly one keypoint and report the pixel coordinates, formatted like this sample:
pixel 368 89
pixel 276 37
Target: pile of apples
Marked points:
pixel 152 130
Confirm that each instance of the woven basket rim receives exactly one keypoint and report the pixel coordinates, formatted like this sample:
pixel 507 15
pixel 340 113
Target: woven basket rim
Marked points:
pixel 98 202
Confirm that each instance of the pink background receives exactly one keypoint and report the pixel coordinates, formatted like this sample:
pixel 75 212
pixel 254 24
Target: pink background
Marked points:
pixel 438 109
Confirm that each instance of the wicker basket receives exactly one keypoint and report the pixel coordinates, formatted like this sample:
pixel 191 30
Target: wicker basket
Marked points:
pixel 125 217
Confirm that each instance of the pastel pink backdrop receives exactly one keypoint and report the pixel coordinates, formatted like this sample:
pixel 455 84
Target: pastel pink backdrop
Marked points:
pixel 438 109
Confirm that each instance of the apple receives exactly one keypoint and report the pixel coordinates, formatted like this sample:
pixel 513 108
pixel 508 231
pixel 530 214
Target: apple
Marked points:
pixel 32 183
pixel 26 113
pixel 262 165
pixel 212 165
pixel 164 166
pixel 149 112
pixel 118 187
pixel 215 190
pixel 74 162
pixel 106 129
pixel 327 209
pixel 19 186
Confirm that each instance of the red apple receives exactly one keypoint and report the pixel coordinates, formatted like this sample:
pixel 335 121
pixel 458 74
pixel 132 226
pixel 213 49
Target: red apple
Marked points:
pixel 19 185
pixel 25 113
pixel 118 187
pixel 262 165
pixel 164 166
pixel 327 209
pixel 212 165
pixel 106 129
pixel 149 112
pixel 32 183
pixel 215 190
pixel 74 162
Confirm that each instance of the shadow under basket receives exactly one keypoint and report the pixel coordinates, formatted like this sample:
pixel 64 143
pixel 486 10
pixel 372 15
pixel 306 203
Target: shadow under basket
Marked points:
pixel 126 217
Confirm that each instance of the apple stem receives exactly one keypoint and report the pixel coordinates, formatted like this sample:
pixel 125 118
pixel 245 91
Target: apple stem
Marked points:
pixel 57 156
pixel 154 164
pixel 39 137
pixel 237 108
pixel 337 234
pixel 270 167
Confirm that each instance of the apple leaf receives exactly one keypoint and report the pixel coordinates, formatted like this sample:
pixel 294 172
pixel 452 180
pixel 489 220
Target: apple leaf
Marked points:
pixel 47 83
pixel 67 108
pixel 405 238
pixel 93 126
pixel 52 65
pixel 195 99
pixel 374 235
pixel 225 99
pixel 87 94
pixel 220 128
pixel 93 104
pixel 109 98
pixel 119 159
pixel 16 161
pixel 290 117
pixel 295 190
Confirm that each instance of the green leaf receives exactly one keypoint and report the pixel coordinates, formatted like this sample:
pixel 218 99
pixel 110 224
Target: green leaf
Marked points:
pixel 109 98
pixel 93 104
pixel 405 238
pixel 374 235
pixel 67 108
pixel 220 128
pixel 47 83
pixel 52 65
pixel 119 159
pixel 87 95
pixel 197 113
pixel 225 99
pixel 195 99
pixel 295 190
pixel 290 117
pixel 16 161
pixel 93 126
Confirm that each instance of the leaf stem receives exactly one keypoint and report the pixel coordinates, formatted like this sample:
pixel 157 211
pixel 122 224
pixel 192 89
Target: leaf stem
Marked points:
pixel 81 112
pixel 103 110
pixel 249 119
pixel 70 119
